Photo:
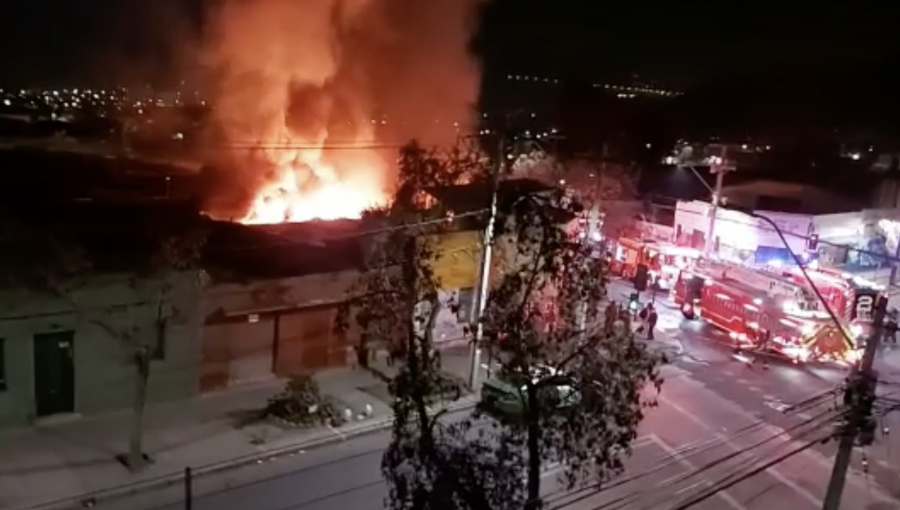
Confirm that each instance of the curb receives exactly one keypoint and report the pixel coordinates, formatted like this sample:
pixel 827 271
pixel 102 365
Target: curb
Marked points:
pixel 337 435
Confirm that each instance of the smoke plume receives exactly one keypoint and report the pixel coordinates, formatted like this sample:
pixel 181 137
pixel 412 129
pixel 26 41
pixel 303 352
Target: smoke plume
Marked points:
pixel 328 89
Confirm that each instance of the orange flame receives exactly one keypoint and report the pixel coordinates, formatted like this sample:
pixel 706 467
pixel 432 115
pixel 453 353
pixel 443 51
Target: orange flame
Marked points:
pixel 318 83
pixel 308 191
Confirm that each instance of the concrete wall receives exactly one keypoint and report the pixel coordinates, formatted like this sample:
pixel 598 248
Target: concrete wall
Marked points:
pixel 104 376
pixel 260 329
pixel 254 329
pixel 655 232
pixel 741 231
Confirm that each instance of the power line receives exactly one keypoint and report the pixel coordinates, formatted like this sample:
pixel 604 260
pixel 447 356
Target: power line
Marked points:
pixel 831 314
pixel 701 447
pixel 721 487
pixel 683 453
pixel 636 495
pixel 748 463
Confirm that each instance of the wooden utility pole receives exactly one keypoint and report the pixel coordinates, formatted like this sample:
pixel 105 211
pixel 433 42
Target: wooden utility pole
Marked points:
pixel 860 395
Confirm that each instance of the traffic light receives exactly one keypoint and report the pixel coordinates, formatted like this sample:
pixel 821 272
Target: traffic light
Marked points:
pixel 641 277
pixel 812 243
pixel 634 301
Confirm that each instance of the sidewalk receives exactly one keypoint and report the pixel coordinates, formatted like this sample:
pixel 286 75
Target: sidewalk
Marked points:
pixel 63 464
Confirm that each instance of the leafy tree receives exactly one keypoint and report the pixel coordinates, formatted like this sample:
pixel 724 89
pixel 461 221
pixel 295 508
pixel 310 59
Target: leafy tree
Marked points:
pixel 580 376
pixel 542 318
pixel 396 305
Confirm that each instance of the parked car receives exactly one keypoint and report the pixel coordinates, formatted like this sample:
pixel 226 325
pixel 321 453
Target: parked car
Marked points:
pixel 506 399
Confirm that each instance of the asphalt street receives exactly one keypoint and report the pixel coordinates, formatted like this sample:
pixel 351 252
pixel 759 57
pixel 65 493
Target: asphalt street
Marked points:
pixel 669 480
pixel 770 386
pixel 718 418
pixel 692 441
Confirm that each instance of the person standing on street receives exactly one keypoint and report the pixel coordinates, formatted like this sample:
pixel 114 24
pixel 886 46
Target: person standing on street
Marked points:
pixel 891 327
pixel 652 317
pixel 642 317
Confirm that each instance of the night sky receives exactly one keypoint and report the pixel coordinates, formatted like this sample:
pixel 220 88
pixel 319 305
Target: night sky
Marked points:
pixel 70 41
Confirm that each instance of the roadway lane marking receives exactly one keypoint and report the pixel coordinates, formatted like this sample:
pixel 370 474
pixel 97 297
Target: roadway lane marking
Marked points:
pixel 771 470
pixel 673 453
pixel 858 481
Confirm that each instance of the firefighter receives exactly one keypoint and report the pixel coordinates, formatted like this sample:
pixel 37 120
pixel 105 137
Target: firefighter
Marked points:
pixel 642 317
pixel 652 318
pixel 891 326
pixel 763 339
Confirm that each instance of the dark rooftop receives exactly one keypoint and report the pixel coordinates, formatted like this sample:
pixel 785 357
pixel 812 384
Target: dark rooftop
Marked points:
pixel 236 251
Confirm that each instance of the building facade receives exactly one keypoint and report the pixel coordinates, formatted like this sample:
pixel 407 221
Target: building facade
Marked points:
pixel 740 236
pixel 261 329
pixel 74 356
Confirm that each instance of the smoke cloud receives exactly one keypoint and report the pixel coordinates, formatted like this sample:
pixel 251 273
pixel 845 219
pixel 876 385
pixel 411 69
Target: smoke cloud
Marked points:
pixel 305 80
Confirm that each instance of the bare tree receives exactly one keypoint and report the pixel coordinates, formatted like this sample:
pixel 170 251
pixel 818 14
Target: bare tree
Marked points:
pixel 54 264
pixel 145 335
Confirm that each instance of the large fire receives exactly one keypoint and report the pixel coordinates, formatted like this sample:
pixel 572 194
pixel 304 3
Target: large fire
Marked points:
pixel 307 189
pixel 326 91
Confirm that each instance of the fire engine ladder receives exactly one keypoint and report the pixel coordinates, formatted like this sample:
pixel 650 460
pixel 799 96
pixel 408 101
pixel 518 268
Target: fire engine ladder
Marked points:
pixel 773 285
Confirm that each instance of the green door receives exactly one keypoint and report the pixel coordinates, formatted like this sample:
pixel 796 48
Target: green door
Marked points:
pixel 54 373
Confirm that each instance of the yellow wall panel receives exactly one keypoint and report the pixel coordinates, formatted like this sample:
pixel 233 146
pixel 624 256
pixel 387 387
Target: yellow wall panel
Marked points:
pixel 456 261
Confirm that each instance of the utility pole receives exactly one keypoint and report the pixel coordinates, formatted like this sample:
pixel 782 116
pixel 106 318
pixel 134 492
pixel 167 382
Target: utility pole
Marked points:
pixel 860 393
pixel 592 237
pixel 594 213
pixel 895 267
pixel 719 168
pixel 484 270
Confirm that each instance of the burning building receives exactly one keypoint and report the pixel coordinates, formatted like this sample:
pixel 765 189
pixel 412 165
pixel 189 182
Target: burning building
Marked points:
pixel 314 99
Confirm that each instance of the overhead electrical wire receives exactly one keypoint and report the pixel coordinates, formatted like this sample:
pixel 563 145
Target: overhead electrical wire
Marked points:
pixel 739 469
pixel 678 456
pixel 810 425
pixel 724 486
pixel 702 446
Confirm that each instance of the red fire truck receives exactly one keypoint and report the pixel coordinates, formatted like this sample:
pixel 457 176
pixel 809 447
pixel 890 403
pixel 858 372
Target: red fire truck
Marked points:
pixel 664 260
pixel 841 291
pixel 763 312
